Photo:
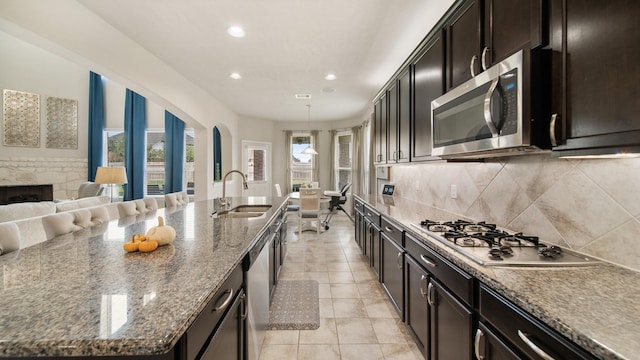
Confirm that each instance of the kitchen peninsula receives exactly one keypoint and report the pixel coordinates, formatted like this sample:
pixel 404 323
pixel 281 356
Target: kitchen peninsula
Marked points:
pixel 82 295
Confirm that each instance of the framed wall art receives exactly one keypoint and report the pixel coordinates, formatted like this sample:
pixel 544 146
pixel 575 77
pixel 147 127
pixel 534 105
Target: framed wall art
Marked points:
pixel 62 123
pixel 21 114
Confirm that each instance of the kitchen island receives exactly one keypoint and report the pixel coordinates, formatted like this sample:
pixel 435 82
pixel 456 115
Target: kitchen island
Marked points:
pixel 82 295
pixel 595 306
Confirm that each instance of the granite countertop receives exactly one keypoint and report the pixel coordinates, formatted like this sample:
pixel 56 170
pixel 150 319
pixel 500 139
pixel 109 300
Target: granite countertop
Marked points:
pixel 81 294
pixel 596 306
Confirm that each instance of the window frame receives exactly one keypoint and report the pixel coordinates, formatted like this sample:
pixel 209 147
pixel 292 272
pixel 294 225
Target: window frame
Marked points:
pixel 292 165
pixel 336 157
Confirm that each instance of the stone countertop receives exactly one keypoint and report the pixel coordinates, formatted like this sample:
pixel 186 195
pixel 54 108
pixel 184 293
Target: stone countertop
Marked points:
pixel 596 306
pixel 81 294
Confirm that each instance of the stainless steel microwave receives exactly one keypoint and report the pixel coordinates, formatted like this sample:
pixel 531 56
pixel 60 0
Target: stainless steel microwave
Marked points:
pixel 490 115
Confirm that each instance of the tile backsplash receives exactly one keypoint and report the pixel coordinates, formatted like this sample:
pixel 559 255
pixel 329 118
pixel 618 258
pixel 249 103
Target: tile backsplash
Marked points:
pixel 592 206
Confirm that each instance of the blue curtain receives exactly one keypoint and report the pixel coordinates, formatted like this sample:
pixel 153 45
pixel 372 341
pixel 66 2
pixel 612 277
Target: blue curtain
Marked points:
pixel 96 124
pixel 217 155
pixel 135 153
pixel 173 153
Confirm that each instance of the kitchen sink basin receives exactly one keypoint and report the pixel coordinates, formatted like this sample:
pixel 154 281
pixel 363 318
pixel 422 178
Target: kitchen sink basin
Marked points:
pixel 250 208
pixel 245 211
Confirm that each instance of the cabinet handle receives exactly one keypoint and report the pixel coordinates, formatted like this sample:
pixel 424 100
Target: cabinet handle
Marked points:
pixel 552 130
pixel 388 229
pixel 430 294
pixel 225 302
pixel 245 307
pixel 428 261
pixel 399 263
pixel 422 279
pixel 473 61
pixel 533 346
pixel 476 345
pixel 484 58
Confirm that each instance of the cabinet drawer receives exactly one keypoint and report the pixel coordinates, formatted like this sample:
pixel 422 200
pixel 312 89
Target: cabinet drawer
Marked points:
pixel 358 206
pixel 456 280
pixel 372 214
pixel 518 327
pixel 209 318
pixel 392 231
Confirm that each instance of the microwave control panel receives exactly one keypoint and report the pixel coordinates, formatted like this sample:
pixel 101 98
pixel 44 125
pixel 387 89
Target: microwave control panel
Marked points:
pixel 508 91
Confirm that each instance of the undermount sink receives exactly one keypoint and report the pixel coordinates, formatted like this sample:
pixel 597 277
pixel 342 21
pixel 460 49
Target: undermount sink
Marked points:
pixel 245 211
pixel 250 208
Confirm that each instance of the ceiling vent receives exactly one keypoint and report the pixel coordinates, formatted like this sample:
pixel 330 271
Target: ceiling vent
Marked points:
pixel 303 96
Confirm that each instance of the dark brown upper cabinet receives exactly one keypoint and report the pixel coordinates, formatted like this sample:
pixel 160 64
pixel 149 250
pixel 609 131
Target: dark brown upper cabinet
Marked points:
pixel 392 123
pixel 380 131
pixel 596 76
pixel 428 84
pixel 464 43
pixel 404 117
pixel 483 32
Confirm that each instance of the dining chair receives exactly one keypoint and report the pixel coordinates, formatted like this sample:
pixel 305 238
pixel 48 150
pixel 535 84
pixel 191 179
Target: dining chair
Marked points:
pixel 309 208
pixel 290 207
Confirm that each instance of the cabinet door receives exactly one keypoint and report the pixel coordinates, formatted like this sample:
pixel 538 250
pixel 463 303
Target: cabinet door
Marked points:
pixel 488 346
pixel 428 84
pixel 597 105
pixel 380 138
pixel 510 25
pixel 416 310
pixel 357 221
pixel 404 116
pixel 228 341
pixel 463 43
pixel 451 325
pixel 392 275
pixel 375 249
pixel 392 124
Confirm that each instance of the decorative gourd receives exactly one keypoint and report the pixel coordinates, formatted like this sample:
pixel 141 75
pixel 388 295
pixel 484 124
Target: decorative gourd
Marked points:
pixel 163 234
pixel 148 246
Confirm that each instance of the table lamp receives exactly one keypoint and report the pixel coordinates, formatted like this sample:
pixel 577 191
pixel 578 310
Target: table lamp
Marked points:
pixel 111 176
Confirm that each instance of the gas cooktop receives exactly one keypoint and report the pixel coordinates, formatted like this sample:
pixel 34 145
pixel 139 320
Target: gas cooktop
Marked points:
pixel 487 245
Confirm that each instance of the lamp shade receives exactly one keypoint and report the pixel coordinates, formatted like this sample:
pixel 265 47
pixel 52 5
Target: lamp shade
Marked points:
pixel 310 151
pixel 111 175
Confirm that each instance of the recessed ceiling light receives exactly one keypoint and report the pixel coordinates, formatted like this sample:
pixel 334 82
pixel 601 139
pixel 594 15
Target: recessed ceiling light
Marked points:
pixel 328 90
pixel 303 96
pixel 236 31
pixel 330 77
pixel 235 76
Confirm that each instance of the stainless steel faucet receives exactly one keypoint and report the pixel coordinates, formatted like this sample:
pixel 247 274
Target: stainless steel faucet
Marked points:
pixel 223 199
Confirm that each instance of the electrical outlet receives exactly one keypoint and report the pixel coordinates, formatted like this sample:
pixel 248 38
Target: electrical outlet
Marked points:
pixel 454 191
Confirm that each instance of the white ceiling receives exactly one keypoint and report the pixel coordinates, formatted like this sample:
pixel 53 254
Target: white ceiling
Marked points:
pixel 289 48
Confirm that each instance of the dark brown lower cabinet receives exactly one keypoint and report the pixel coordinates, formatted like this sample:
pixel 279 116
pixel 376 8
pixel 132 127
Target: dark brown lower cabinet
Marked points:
pixel 451 325
pixel 227 342
pixel 488 346
pixel 392 274
pixel 375 252
pixel 416 309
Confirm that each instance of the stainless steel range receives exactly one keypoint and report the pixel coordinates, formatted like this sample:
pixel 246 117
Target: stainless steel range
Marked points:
pixel 487 245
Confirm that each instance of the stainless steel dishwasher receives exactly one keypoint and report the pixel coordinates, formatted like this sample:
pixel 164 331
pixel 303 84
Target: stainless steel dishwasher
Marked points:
pixel 256 265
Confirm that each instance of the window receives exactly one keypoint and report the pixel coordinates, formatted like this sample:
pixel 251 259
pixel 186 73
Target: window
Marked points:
pixel 257 162
pixel 155 166
pixel 301 164
pixel 343 153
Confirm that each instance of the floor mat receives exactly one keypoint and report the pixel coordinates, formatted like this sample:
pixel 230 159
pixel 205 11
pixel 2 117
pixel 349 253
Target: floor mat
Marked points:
pixel 295 306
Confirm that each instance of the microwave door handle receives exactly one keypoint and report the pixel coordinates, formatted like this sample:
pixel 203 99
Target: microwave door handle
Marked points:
pixel 488 117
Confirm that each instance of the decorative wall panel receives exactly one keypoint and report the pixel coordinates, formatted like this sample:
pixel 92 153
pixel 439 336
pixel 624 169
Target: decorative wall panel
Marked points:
pixel 62 123
pixel 21 118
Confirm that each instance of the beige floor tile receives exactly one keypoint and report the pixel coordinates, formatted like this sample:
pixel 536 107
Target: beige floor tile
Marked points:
pixel 399 352
pixel 361 352
pixel 344 291
pixel 279 352
pixel 379 308
pixel 325 334
pixel 314 266
pixel 318 352
pixel 349 308
pixel 341 277
pixel 338 266
pixel 336 258
pixel 355 331
pixel 364 276
pixel 322 277
pixel 388 331
pixel 358 265
pixel 324 291
pixel 326 308
pixel 372 290
pixel 282 337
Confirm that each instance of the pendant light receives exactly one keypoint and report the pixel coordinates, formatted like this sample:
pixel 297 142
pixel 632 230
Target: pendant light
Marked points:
pixel 309 150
